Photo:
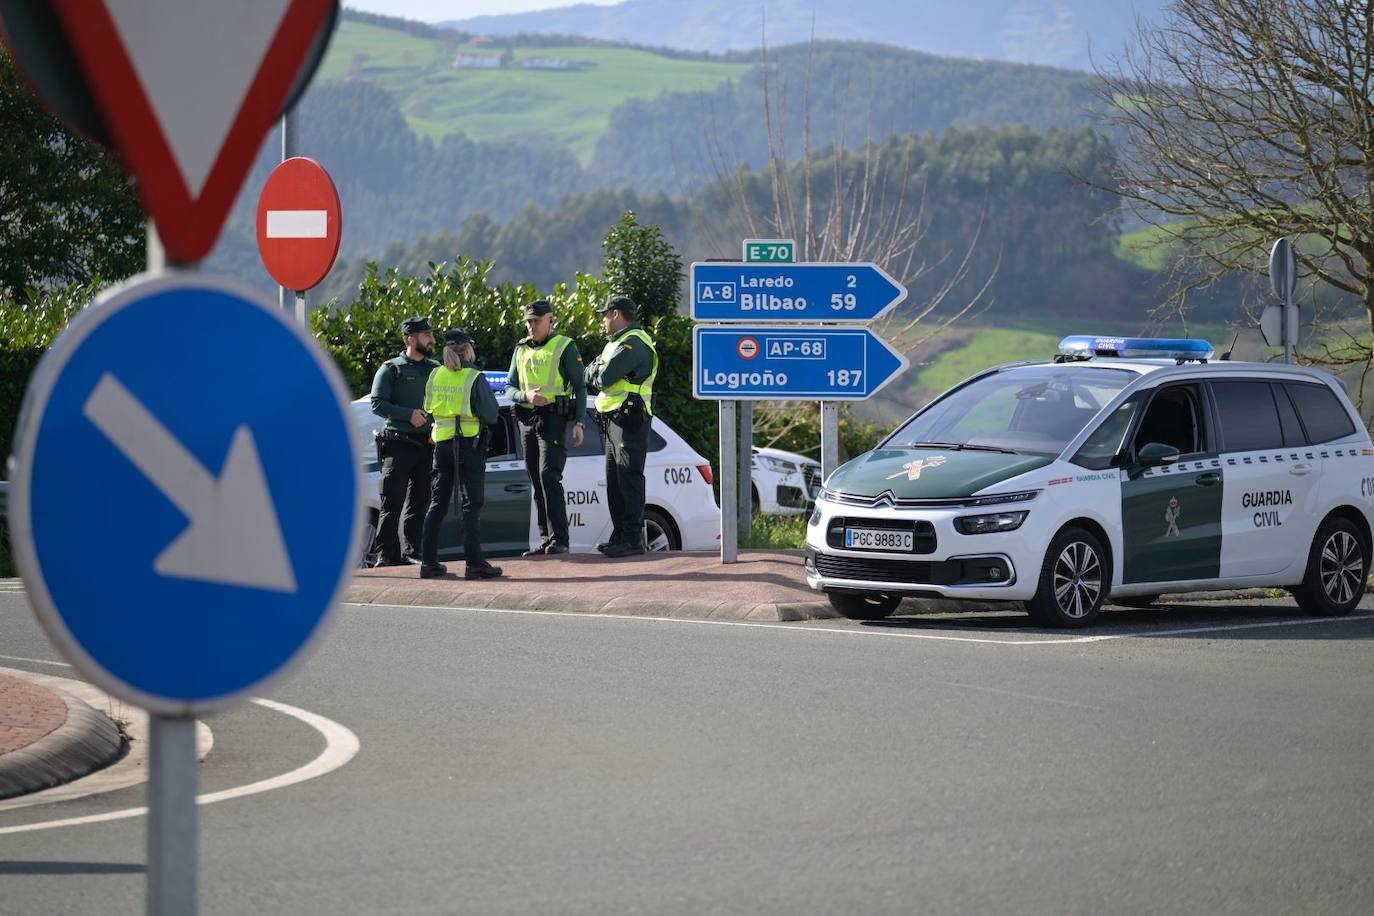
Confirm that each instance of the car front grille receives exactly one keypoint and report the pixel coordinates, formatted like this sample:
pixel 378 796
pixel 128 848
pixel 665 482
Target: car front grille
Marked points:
pixel 812 475
pixel 908 572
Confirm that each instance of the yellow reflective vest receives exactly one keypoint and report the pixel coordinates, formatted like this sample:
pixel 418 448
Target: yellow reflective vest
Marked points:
pixel 612 396
pixel 448 397
pixel 541 367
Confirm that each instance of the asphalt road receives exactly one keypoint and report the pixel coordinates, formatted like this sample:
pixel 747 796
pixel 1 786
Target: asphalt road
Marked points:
pixel 1205 759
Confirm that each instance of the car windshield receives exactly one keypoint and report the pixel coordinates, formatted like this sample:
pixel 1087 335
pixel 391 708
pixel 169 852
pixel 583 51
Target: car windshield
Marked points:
pixel 1034 410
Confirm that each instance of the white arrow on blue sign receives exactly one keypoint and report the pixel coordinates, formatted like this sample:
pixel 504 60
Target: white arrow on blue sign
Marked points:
pixel 185 493
pixel 777 363
pixel 790 293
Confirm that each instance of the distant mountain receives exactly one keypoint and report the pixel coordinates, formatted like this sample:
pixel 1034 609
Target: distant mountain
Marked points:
pixel 1065 33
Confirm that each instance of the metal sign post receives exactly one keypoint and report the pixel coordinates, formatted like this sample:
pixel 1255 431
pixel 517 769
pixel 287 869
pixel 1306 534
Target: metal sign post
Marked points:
pixel 1279 323
pixel 729 505
pixel 173 823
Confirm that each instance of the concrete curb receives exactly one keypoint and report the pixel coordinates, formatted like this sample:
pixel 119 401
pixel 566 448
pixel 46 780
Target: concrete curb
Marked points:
pixel 421 596
pixel 87 741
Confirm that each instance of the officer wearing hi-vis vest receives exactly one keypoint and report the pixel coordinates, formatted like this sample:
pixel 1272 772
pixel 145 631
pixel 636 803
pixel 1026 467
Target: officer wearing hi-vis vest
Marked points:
pixel 545 384
pixel 624 377
pixel 463 407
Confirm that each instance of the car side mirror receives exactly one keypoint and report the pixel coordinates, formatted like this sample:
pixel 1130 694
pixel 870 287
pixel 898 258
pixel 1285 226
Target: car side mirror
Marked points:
pixel 1154 454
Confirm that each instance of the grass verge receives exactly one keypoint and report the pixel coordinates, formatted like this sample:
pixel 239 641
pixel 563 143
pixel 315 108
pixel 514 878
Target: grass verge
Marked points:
pixel 778 532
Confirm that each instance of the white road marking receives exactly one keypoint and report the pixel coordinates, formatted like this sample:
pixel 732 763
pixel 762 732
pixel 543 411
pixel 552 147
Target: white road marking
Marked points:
pixel 797 627
pixel 341 746
pixel 298 224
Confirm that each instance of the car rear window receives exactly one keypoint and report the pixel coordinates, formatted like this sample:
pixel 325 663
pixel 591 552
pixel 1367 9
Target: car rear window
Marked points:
pixel 1249 417
pixel 1322 412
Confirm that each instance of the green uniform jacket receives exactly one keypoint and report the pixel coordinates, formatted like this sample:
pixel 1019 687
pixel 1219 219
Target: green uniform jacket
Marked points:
pixel 570 365
pixel 630 360
pixel 397 389
pixel 484 405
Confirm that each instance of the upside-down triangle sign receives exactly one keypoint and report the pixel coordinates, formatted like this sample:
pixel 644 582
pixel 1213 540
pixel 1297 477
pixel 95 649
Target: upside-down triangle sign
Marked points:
pixel 188 89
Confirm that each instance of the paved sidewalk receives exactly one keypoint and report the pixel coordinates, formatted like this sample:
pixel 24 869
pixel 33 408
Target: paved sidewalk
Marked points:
pixel 49 737
pixel 764 585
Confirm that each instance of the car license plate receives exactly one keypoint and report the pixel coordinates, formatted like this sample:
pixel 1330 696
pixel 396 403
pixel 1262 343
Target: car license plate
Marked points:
pixel 878 539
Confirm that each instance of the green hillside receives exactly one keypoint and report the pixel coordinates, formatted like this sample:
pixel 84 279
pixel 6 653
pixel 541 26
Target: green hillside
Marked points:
pixel 569 107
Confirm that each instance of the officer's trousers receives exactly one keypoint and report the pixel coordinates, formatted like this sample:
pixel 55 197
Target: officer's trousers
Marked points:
pixel 463 458
pixel 546 454
pixel 627 445
pixel 404 485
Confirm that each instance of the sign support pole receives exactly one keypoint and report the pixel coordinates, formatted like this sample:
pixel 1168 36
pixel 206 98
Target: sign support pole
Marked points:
pixel 830 438
pixel 729 502
pixel 173 824
pixel 288 151
pixel 173 827
pixel 746 461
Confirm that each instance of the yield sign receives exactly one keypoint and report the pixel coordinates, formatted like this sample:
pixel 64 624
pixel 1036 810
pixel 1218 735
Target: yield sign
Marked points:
pixel 299 223
pixel 188 89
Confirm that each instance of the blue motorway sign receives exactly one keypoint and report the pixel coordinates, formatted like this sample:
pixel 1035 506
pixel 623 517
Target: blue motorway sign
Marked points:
pixel 792 293
pixel 185 501
pixel 786 364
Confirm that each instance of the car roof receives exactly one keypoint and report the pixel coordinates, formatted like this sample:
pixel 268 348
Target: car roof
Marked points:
pixel 1160 369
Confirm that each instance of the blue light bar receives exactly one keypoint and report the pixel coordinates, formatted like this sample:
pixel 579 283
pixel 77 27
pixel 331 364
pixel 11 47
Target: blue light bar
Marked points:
pixel 496 378
pixel 1085 346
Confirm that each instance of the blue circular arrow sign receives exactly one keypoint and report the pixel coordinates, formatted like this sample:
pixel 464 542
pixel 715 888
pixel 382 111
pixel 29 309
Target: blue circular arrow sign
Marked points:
pixel 186 496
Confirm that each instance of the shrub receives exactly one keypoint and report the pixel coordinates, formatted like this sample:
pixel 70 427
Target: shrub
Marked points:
pixel 28 325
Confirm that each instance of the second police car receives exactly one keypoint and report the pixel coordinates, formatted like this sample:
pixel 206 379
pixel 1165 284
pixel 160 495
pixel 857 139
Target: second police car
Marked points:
pixel 1126 468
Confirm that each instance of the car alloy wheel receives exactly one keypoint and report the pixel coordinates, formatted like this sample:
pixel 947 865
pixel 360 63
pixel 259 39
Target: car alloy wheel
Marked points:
pixel 1337 563
pixel 1341 567
pixel 1077 580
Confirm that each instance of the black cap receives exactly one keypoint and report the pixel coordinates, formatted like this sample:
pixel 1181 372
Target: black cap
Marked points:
pixel 538 309
pixel 457 336
pixel 415 326
pixel 623 304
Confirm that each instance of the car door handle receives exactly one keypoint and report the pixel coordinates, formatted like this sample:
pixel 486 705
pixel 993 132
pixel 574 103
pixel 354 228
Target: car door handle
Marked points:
pixel 1210 479
pixel 1300 469
pixel 517 488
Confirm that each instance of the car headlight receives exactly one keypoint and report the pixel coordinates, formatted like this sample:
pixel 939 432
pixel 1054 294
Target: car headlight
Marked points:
pixel 998 499
pixel 987 524
pixel 826 495
pixel 777 465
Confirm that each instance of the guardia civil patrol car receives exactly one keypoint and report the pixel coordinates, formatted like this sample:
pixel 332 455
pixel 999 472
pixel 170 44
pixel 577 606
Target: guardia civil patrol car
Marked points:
pixel 680 510
pixel 1126 468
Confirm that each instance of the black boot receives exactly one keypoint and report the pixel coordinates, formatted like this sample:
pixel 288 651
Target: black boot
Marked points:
pixel 482 570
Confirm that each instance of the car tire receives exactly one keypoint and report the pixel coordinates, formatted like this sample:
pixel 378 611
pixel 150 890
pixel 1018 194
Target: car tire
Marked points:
pixel 659 532
pixel 864 605
pixel 1074 579
pixel 754 500
pixel 1137 601
pixel 1337 570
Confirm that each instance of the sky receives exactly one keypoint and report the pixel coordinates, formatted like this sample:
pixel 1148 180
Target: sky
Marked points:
pixel 440 10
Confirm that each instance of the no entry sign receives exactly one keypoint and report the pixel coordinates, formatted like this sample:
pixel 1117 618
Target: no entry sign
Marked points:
pixel 299 224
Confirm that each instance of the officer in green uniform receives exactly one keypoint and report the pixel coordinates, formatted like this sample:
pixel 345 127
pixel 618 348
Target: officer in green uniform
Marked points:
pixel 403 447
pixel 546 386
pixel 463 407
pixel 624 377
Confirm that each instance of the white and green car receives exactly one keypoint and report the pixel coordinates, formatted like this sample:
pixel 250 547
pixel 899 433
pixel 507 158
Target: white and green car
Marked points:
pixel 1127 467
